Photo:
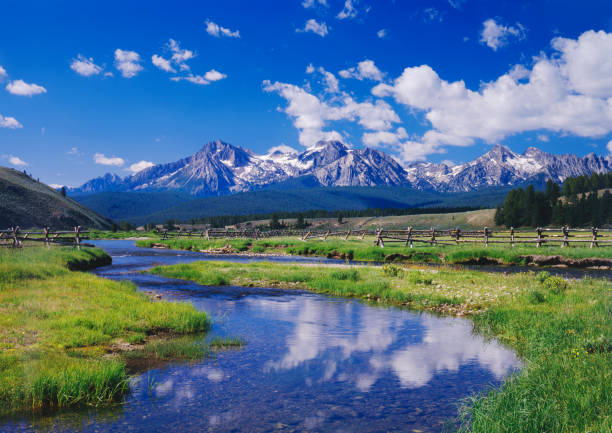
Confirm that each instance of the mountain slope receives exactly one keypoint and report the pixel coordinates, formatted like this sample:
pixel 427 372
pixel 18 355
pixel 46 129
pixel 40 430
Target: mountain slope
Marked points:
pixel 27 203
pixel 220 169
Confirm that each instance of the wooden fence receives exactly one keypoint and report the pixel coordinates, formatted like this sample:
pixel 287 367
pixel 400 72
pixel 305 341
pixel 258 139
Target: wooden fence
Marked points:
pixel 14 237
pixel 563 236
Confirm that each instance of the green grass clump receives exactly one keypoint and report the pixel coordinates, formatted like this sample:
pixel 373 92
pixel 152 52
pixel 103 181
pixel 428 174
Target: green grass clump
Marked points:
pixel 56 326
pixel 564 336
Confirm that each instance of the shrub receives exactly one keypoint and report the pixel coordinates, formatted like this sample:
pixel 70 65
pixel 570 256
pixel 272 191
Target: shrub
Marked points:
pixel 555 284
pixel 543 276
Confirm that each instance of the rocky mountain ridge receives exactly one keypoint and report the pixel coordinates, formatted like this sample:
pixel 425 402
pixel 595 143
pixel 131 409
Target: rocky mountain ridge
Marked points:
pixel 220 168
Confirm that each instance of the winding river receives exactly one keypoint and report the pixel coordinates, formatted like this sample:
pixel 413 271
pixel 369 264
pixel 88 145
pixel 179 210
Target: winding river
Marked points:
pixel 310 363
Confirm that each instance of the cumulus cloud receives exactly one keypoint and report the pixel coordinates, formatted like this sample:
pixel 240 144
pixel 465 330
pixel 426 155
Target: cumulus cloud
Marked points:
pixel 609 147
pixel 162 63
pixel 13 160
pixel 311 115
pixel 85 66
pixel 3 74
pixel 217 31
pixel 283 148
pixel 496 35
pixel 21 88
pixel 348 11
pixel 307 4
pixel 100 158
pixel 551 96
pixel 331 82
pixel 139 166
pixel 127 62
pixel 382 33
pixel 9 122
pixel 179 55
pixel 315 27
pixel 204 80
pixel 364 70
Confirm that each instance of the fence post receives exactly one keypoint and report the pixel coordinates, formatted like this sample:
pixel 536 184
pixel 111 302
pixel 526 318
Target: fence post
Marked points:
pixel 409 238
pixel 565 230
pixel 594 240
pixel 327 234
pixel 77 239
pixel 457 234
pixel 512 237
pixel 16 242
pixel 539 232
pixel 307 235
pixel 486 236
pixel 363 234
pixel 46 231
pixel 207 235
pixel 379 239
pixel 347 234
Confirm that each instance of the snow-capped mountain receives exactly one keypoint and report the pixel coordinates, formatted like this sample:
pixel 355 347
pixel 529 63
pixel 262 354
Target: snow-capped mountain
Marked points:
pixel 220 168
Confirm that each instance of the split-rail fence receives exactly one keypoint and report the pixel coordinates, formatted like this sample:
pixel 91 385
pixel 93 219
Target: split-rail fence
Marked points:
pixel 14 236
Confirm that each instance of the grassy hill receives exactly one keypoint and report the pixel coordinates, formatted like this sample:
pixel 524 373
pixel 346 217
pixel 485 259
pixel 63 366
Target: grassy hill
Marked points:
pixel 476 219
pixel 28 203
pixel 159 207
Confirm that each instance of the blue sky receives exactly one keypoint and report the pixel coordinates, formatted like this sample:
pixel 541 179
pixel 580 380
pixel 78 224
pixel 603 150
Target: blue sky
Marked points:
pixel 80 94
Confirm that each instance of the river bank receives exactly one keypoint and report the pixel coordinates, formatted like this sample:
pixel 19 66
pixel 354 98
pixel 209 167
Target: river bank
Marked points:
pixel 561 329
pixel 364 250
pixel 67 336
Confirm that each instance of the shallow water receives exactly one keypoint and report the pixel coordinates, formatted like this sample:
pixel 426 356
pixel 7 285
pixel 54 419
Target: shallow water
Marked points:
pixel 311 363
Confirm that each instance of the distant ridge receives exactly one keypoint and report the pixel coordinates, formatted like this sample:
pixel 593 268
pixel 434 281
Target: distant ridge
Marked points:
pixel 27 203
pixel 220 169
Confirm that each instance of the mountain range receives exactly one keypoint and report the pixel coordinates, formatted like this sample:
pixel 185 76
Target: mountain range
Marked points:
pixel 220 169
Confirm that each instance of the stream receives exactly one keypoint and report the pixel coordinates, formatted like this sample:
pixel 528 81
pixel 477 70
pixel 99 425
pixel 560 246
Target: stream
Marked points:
pixel 310 363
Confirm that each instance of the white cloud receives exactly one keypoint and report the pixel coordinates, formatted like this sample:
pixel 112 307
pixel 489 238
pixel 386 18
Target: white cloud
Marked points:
pixel 543 137
pixel 313 26
pixel 456 3
pixel 382 33
pixel 432 14
pixel 311 115
pixel 331 82
pixel 208 77
pixel 162 63
pixel 73 151
pixel 180 56
pixel 20 87
pixel 218 31
pixel 13 160
pixel 388 138
pixel 283 148
pixel 364 70
pixel 547 97
pixel 348 11
pixel 3 74
pixel 85 66
pixel 139 166
pixel 609 147
pixel 307 4
pixel 128 63
pixel 100 158
pixel 495 35
pixel 9 122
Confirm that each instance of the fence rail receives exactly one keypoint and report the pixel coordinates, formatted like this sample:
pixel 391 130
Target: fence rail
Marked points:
pixel 564 236
pixel 14 236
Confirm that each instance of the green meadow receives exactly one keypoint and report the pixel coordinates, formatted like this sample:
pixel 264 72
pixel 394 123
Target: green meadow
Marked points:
pixel 65 334
pixel 561 329
pixel 366 250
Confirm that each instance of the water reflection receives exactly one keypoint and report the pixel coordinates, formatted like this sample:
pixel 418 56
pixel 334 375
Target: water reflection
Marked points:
pixel 412 350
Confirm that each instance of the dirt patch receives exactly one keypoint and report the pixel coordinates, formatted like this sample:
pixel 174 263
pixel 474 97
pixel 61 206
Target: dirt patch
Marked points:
pixel 591 262
pixel 480 261
pixel 226 249
pixel 156 245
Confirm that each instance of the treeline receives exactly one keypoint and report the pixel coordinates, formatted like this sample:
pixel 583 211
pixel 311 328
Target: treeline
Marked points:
pixel 577 204
pixel 226 220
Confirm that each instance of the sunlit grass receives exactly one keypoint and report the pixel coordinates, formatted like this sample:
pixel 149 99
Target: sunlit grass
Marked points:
pixel 57 328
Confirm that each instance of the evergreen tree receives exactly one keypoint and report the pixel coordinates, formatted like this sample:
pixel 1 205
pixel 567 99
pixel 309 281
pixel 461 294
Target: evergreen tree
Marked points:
pixel 63 191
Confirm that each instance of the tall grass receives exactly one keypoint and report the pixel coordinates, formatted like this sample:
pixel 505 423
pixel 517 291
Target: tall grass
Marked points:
pixel 562 330
pixel 56 326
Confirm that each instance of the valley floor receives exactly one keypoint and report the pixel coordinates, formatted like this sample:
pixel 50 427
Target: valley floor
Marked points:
pixel 561 329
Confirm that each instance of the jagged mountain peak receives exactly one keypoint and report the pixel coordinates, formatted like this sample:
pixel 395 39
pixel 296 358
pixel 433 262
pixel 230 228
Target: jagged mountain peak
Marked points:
pixel 222 168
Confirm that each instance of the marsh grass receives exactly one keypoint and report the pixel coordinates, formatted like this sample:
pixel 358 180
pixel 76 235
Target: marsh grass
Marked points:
pixel 57 327
pixel 561 329
pixel 365 250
